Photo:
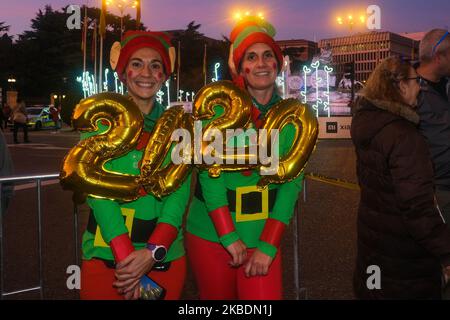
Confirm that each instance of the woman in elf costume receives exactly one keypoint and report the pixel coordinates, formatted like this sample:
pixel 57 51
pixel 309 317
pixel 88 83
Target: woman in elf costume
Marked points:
pixel 233 240
pixel 143 235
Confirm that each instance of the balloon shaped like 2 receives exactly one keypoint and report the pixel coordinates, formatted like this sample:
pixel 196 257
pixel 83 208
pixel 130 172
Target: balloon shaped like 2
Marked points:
pixel 82 170
pixel 237 108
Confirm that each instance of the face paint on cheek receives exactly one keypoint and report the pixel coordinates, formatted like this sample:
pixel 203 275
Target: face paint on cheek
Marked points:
pixel 159 75
pixel 274 66
pixel 247 70
pixel 129 74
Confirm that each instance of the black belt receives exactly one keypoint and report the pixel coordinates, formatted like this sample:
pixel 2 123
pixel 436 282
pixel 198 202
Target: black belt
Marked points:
pixel 251 202
pixel 141 229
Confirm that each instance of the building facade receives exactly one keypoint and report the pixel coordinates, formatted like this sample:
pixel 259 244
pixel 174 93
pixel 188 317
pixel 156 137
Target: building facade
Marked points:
pixel 367 50
pixel 300 52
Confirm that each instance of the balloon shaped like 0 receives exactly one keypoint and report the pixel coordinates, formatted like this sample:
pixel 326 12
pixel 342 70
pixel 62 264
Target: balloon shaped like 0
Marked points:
pixel 162 180
pixel 291 111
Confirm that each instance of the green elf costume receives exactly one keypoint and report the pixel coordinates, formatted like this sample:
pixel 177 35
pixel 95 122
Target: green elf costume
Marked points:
pixel 115 228
pixel 230 208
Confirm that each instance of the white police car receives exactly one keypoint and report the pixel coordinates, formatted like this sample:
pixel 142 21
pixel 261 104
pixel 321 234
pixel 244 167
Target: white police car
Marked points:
pixel 40 118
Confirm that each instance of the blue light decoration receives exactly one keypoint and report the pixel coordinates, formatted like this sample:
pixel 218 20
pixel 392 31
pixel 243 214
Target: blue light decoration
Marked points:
pixel 105 83
pixel 319 78
pixel 180 95
pixel 326 104
pixel 118 88
pixel 159 96
pixel 280 83
pixel 168 93
pixel 90 87
pixel 216 73
pixel 186 94
pixel 304 91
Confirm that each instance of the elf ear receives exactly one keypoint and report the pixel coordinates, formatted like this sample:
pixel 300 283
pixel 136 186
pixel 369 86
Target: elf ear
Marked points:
pixel 285 64
pixel 172 56
pixel 231 64
pixel 115 54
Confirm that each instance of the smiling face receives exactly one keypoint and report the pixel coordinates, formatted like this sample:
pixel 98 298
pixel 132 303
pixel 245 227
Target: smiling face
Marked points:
pixel 144 74
pixel 259 67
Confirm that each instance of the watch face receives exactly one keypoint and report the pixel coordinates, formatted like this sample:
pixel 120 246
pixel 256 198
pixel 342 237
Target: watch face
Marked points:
pixel 159 254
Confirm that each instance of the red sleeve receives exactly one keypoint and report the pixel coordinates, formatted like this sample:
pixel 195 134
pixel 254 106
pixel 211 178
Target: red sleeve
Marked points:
pixel 221 218
pixel 164 234
pixel 272 232
pixel 121 247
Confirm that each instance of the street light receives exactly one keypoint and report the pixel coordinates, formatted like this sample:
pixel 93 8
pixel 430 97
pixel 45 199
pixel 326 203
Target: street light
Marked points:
pixel 122 5
pixel 239 16
pixel 11 82
pixel 57 98
pixel 350 20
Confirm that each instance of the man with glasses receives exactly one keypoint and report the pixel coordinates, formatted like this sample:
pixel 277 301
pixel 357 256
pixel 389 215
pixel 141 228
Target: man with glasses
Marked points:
pixel 434 109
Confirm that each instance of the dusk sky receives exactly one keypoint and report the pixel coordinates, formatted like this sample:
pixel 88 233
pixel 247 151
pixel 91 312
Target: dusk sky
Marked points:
pixel 293 19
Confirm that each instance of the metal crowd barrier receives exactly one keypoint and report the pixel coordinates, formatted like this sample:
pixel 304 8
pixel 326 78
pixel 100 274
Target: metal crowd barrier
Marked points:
pixel 38 179
pixel 296 242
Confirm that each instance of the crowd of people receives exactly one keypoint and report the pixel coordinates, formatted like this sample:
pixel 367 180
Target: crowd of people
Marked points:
pixel 401 134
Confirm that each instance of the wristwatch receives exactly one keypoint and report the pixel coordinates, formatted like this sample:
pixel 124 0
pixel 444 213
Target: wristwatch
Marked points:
pixel 158 252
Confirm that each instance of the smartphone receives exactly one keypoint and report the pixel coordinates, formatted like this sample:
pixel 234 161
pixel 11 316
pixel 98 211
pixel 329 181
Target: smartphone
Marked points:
pixel 150 290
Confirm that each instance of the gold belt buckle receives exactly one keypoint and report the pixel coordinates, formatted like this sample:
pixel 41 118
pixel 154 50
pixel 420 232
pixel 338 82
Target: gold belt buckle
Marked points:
pixel 129 217
pixel 240 217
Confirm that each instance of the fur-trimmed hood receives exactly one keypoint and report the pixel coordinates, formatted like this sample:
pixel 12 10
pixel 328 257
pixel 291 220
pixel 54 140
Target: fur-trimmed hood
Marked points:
pixel 370 116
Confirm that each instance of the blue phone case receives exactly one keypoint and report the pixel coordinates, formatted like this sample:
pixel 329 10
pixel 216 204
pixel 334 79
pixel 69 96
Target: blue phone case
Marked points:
pixel 150 290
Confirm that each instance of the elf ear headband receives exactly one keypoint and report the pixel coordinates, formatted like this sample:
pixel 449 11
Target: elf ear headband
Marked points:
pixel 115 54
pixel 257 22
pixel 117 47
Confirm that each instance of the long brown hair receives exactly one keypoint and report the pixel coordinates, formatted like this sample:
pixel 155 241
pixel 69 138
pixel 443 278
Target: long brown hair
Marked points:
pixel 383 82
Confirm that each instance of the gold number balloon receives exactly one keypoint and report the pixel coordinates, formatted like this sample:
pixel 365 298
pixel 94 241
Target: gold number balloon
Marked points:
pixel 291 111
pixel 155 178
pixel 237 107
pixel 83 168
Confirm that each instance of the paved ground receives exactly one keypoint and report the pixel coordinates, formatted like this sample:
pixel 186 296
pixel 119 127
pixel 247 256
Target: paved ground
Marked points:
pixel 326 225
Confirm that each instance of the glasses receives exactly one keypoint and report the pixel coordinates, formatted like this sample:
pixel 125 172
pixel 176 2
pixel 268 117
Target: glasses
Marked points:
pixel 418 79
pixel 438 43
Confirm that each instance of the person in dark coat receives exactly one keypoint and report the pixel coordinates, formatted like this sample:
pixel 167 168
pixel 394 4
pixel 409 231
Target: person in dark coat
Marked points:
pixel 403 242
pixel 434 109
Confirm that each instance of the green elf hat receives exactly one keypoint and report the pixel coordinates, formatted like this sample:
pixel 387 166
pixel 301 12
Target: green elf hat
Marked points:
pixel 135 40
pixel 247 32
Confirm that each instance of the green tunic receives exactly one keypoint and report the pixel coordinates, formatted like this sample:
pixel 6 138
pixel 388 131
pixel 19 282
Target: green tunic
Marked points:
pixel 215 196
pixel 115 218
